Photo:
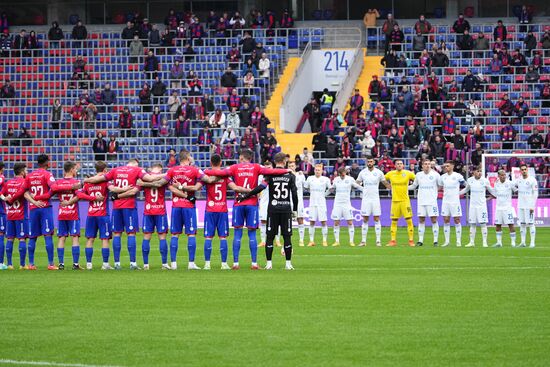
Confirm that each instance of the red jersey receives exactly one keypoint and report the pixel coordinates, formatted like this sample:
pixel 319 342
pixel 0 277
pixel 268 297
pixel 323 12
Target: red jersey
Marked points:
pixel 246 175
pixel 16 209
pixel 65 192
pixel 184 176
pixel 154 200
pixel 125 176
pixel 216 196
pixel 2 206
pixel 90 192
pixel 39 183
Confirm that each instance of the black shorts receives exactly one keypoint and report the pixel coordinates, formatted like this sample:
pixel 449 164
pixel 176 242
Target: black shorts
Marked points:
pixel 276 220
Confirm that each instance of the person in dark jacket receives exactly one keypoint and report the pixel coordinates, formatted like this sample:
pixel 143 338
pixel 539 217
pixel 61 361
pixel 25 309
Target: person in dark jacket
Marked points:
pixel 158 90
pixel 411 140
pixel 248 43
pixel 154 36
pixel 460 25
pixel 319 142
pixel 244 115
pixel 55 34
pixel 229 79
pixel 99 147
pixel 500 32
pixel 208 103
pixel 439 59
pixel 314 115
pixel 79 34
pixel 151 65
pixel 530 43
pixel 20 42
pixel 125 123
pixel 108 96
pixel 129 32
pixel 466 44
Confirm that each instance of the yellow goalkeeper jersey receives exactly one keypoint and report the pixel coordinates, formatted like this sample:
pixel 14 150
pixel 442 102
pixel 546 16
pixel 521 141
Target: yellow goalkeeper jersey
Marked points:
pixel 399 184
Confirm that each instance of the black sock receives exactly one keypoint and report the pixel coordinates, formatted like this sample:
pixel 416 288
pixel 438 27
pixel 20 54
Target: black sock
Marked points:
pixel 269 249
pixel 287 248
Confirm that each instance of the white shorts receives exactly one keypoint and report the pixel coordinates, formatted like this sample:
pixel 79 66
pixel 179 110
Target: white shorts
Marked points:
pixel 370 207
pixel 478 214
pixel 263 212
pixel 300 209
pixel 525 216
pixel 451 209
pixel 341 212
pixel 504 216
pixel 317 213
pixel 427 211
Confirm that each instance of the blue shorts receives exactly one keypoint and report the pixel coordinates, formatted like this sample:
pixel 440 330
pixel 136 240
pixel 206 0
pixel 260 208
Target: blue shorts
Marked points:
pixel 125 220
pixel 67 228
pixel 3 222
pixel 150 222
pixel 101 224
pixel 245 213
pixel 41 222
pixel 184 217
pixel 16 229
pixel 216 221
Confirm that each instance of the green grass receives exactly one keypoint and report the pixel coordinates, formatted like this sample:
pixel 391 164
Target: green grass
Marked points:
pixel 341 307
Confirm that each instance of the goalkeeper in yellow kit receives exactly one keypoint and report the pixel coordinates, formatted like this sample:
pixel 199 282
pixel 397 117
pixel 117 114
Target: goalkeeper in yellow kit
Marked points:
pixel 400 201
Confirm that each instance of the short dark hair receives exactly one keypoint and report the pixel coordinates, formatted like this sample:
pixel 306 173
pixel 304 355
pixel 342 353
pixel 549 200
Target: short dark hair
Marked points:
pixel 451 162
pixel 522 164
pixel 215 160
pixel 18 168
pixel 157 165
pixel 100 166
pixel 247 154
pixel 369 157
pixel 133 160
pixel 68 166
pixel 42 159
pixel 279 157
pixel 398 160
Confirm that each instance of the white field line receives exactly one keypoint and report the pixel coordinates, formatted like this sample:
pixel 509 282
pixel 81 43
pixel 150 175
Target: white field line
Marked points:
pixel 431 268
pixel 44 363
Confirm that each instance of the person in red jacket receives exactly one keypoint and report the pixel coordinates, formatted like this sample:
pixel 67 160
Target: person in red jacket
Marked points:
pixel 125 122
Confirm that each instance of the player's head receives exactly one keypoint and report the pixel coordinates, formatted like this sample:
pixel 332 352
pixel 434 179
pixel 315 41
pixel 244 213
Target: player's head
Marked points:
pixel 43 161
pixel 156 168
pixel 245 156
pixel 449 167
pixel 100 167
pixel 370 162
pixel 318 170
pixel 268 164
pixel 20 169
pixel 216 160
pixel 524 170
pixel 502 175
pixel 1 167
pixel 185 157
pixel 426 165
pixel 69 168
pixel 292 166
pixel 342 172
pixel 477 172
pixel 133 162
pixel 280 159
pixel 399 165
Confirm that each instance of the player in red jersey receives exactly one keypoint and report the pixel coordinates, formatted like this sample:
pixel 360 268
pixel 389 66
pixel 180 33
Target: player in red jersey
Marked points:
pixel 154 217
pixel 245 174
pixel 68 215
pixel 124 216
pixel 182 180
pixel 98 217
pixel 2 219
pixel 14 193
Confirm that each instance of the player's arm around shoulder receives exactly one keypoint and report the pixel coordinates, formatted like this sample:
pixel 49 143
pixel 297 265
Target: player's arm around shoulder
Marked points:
pixel 241 190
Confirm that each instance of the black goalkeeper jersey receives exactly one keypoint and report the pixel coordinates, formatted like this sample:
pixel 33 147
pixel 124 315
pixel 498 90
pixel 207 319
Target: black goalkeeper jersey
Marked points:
pixel 283 195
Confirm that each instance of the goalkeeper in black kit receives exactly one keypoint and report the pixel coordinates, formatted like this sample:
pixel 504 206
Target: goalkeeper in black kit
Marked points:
pixel 283 203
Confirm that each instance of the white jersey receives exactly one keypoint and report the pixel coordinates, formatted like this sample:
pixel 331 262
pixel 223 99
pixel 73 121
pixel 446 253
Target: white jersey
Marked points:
pixel 427 187
pixel 264 195
pixel 451 186
pixel 371 183
pixel 342 188
pixel 300 181
pixel 528 192
pixel 318 188
pixel 503 192
pixel 478 191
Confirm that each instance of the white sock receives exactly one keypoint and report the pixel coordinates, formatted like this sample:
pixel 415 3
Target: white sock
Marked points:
pixel 364 232
pixel 88 264
pixel 336 233
pixel 301 232
pixel 105 264
pixel 435 231
pixel 421 231
pixel 324 231
pixel 472 233
pixel 378 230
pixel 254 264
pixel 447 232
pixel 458 231
pixel 513 239
pixel 207 263
pixel 117 263
pixel 236 264
pixel 533 233
pixel 523 232
pixel 288 263
pixel 484 233
pixel 174 264
pixel 311 232
pixel 351 232
pixel 263 232
pixel 269 264
pixel 499 237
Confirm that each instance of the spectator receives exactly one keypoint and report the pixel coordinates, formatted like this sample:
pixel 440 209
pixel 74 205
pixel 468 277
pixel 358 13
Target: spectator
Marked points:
pixel 174 101
pixel 369 20
pixel 250 140
pixel 217 119
pixel 249 66
pixel 521 108
pixel 508 135
pixel 263 66
pixel 167 41
pixel 466 43
pixel 151 65
pixel 99 147
pixel 77 114
pixel 165 129
pixel 524 17
pixel 182 126
pixel 156 120
pixel 125 123
pixel 481 44
pixel 204 139
pixel 196 32
pixel 458 139
pixel 476 155
pixel 422 26
pixel 418 44
pixel 144 96
pixel 389 62
pixel 248 83
pixel 412 138
pixel 233 57
pixel 20 41
pixel 438 147
pixel 506 107
pixel 237 21
pixel 286 20
pixel 537 61
pixel 425 63
pixel 172 159
pixel 5 45
pixel 79 65
pixel 79 34
pixel 171 20
pixel 449 126
pixel 234 100
pixel 440 60
pixel 259 121
pixel 136 50
pixel 244 114
pixel 388 27
pixel 130 32
pixel 396 38
pixel 90 115
pixel 229 80
pixel 518 62
pixel 158 90
pixel 184 109
pixel 108 96
pixel 545 94
pixel 232 119
pixel 57 114
pixel 495 68
pixel 460 25
pixel 4 24
pixel 86 82
pixel 535 141
pixel 176 75
pixel 188 53
pixel 454 154
pixel 112 148
pixel 7 93
pixel 330 124
pixel 194 86
pixel 327 100
pixel 355 106
pixel 229 136
pixel 532 76
pixel 55 35
pixel 530 43
pixel 154 37
pixel 545 43
pixel 25 138
pixel 386 163
pixel 248 43
pixel 500 33
pixel 200 112
pixel 10 139
pixel 313 114
pixel 374 88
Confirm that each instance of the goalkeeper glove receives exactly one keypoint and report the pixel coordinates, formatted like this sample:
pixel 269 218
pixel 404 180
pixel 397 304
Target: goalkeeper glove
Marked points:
pixel 240 197
pixel 114 196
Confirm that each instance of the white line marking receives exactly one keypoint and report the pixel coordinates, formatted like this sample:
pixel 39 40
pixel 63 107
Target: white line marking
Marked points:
pixel 433 268
pixel 43 363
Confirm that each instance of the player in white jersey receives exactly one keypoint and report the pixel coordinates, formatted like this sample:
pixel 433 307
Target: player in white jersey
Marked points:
pixel 318 187
pixel 426 201
pixel 450 206
pixel 342 209
pixel 528 193
pixel 263 203
pixel 504 211
pixel 371 178
pixel 477 213
pixel 300 181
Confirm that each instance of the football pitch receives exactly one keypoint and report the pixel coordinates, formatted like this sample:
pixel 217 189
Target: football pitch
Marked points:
pixel 341 307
